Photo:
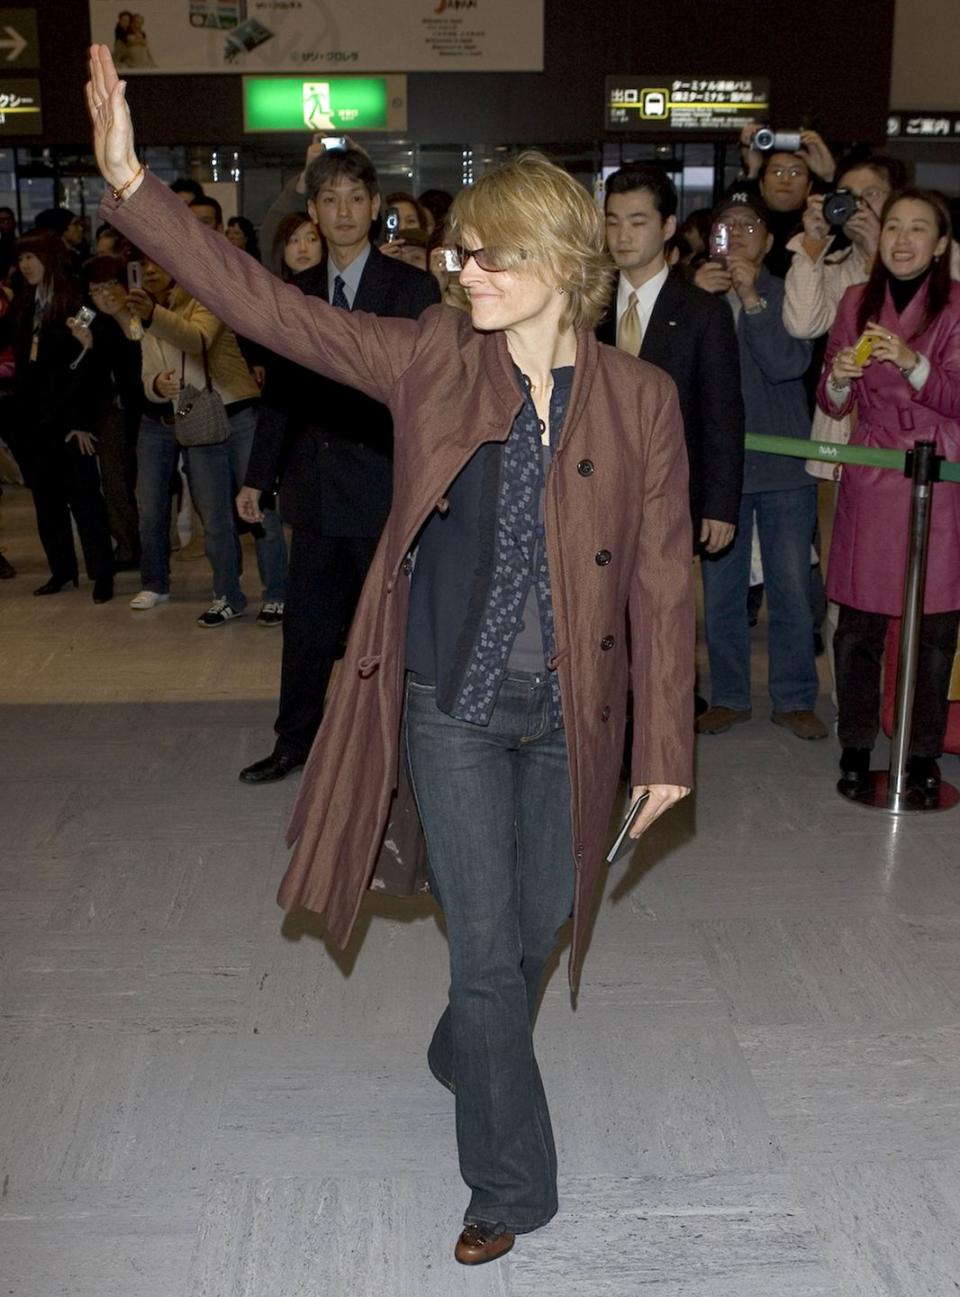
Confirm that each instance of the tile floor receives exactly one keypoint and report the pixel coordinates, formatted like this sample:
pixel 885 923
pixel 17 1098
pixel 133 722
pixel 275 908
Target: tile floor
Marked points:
pixel 756 1094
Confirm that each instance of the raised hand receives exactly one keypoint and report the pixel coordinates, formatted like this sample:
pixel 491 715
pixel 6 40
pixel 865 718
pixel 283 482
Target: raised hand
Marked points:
pixel 112 124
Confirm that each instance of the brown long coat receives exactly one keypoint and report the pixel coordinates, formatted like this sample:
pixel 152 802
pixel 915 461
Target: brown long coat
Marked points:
pixel 618 546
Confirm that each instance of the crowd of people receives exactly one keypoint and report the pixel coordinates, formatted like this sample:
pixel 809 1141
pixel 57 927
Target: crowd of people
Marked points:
pixel 760 310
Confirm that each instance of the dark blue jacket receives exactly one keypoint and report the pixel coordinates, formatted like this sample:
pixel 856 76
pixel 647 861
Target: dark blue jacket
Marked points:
pixel 772 366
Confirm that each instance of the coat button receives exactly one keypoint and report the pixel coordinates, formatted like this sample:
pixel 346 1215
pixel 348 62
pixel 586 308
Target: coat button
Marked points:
pixel 603 557
pixel 585 467
pixel 607 642
pixel 605 714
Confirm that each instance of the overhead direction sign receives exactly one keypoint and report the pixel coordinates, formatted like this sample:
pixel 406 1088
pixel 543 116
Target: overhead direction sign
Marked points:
pixel 325 104
pixel 923 125
pixel 20 106
pixel 19 50
pixel 678 105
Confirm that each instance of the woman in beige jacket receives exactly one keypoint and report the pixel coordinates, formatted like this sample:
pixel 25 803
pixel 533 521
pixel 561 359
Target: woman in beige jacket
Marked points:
pixel 176 330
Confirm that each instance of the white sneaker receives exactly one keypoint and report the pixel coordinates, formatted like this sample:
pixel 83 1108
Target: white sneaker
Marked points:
pixel 148 599
pixel 218 614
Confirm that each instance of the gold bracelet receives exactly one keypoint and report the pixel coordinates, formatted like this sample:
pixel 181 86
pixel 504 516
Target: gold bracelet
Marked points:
pixel 118 193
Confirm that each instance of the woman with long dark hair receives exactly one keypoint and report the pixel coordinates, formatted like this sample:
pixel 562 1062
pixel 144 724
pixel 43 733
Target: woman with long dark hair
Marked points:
pixel 906 389
pixel 52 414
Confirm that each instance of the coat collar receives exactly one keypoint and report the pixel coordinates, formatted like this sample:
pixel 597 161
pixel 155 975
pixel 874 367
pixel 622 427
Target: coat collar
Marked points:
pixel 908 324
pixel 500 372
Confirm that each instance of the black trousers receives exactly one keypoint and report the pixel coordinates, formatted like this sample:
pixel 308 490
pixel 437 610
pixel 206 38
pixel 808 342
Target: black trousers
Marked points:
pixel 858 652
pixel 117 452
pixel 324 579
pixel 65 482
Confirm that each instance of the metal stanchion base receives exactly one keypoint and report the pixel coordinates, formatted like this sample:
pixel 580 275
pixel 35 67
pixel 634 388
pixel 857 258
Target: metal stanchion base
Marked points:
pixel 878 794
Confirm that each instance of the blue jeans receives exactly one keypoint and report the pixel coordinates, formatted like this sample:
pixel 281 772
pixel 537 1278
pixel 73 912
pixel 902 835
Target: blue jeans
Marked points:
pixel 215 474
pixel 157 452
pixel 495 806
pixel 785 522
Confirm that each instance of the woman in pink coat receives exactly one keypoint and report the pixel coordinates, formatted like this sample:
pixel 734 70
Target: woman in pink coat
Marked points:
pixel 907 390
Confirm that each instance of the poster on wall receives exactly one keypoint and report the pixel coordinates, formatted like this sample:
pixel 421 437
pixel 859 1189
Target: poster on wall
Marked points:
pixel 255 36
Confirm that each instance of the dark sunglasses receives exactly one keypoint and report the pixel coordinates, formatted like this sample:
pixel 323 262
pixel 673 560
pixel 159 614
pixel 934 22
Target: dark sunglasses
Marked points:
pixel 486 258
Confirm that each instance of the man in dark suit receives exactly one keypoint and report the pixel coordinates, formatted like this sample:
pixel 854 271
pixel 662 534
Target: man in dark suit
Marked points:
pixel 664 319
pixel 331 448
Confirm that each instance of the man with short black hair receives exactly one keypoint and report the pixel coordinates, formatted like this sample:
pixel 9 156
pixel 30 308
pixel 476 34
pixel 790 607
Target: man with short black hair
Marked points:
pixel 208 212
pixel 664 319
pixel 187 190
pixel 331 448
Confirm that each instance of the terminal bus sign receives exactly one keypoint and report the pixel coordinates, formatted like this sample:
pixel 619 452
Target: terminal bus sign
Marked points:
pixel 678 105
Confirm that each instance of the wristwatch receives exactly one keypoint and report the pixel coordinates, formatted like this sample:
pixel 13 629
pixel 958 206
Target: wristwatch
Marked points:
pixel 907 370
pixel 755 310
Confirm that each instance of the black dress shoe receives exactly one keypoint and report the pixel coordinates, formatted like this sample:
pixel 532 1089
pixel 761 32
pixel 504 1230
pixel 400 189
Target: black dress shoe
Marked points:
pixel 103 589
pixel 55 585
pixel 270 769
pixel 7 570
pixel 482 1242
pixel 854 766
pixel 924 774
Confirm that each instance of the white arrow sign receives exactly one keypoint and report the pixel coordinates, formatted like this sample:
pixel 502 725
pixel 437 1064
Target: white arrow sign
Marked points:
pixel 14 42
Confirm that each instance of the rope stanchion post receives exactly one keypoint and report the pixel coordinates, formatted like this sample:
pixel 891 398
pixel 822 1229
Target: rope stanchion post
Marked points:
pixel 889 789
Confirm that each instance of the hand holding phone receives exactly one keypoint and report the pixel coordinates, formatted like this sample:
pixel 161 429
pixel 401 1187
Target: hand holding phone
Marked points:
pixel 623 844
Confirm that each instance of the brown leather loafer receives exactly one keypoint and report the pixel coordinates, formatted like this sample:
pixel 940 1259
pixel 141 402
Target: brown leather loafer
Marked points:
pixel 717 720
pixel 482 1242
pixel 805 724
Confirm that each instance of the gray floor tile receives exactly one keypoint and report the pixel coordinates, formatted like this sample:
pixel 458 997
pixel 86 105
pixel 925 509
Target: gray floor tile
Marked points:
pixel 97 1242
pixel 828 970
pixel 295 1237
pixel 849 1095
pixel 334 1105
pixel 725 1235
pixel 109 1108
pixel 180 983
pixel 889 1230
pixel 635 1096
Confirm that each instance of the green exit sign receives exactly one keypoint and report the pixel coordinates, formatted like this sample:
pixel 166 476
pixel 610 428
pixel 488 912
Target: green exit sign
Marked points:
pixel 325 104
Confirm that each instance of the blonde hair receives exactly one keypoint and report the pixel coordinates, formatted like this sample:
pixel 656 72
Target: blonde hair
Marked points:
pixel 531 213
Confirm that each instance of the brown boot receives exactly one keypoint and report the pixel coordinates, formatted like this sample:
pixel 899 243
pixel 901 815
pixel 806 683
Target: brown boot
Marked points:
pixel 805 724
pixel 716 720
pixel 482 1242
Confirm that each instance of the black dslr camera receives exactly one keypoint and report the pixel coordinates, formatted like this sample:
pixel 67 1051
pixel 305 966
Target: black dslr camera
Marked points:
pixel 838 206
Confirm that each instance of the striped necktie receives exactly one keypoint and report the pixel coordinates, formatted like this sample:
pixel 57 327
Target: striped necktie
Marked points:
pixel 629 333
pixel 339 296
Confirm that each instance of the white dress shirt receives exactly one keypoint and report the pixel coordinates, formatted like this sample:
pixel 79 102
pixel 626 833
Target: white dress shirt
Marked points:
pixel 647 295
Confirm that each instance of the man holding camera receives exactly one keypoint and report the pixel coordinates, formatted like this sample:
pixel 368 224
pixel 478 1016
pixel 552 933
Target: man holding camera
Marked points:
pixel 331 448
pixel 785 165
pixel 777 492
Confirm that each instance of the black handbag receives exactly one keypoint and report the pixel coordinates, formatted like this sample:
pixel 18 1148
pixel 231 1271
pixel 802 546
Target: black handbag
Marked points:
pixel 199 416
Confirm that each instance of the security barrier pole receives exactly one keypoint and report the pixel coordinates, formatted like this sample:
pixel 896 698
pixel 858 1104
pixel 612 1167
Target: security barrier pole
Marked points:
pixel 889 790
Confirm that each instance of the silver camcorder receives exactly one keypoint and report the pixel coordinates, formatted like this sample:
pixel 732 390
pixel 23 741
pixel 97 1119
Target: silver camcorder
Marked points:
pixel 767 140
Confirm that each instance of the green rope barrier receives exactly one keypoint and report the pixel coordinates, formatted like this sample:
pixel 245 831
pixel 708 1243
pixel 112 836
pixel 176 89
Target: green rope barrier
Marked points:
pixel 832 453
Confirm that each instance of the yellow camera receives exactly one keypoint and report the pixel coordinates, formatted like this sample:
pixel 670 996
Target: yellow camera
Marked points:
pixel 863 350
